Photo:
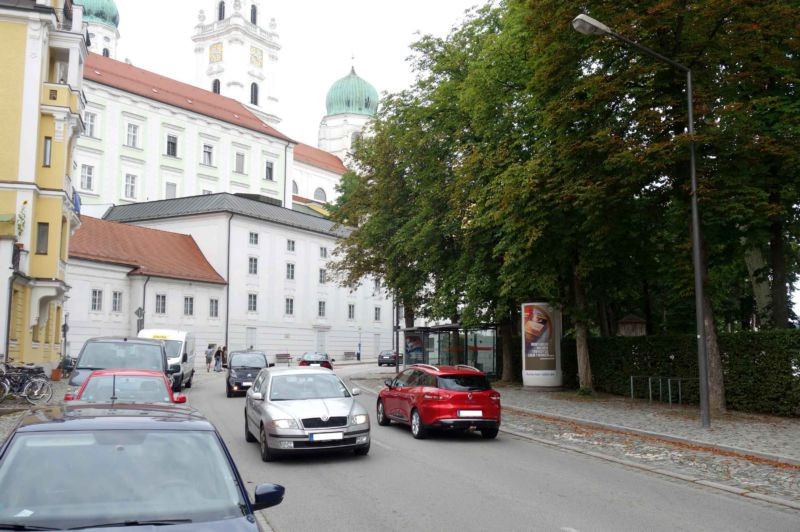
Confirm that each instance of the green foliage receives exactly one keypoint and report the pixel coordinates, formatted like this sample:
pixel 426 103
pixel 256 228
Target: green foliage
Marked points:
pixel 761 369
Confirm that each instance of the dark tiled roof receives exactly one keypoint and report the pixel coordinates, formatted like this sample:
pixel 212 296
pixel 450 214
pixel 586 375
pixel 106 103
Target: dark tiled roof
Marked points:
pixel 146 251
pixel 224 202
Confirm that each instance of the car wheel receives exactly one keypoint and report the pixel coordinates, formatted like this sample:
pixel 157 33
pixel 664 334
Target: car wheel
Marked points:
pixel 248 436
pixel 382 419
pixel 266 454
pixel 417 430
pixel 489 434
pixel 361 451
pixel 228 391
pixel 189 382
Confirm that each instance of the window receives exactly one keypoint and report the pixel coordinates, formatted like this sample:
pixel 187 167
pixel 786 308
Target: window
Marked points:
pixel 239 166
pixel 351 311
pixel 215 86
pixel 188 306
pixel 161 303
pixel 132 140
pixel 97 300
pixel 90 120
pixel 213 308
pixel 320 195
pixel 106 53
pixel 253 239
pixel 289 306
pixel 290 245
pixel 321 309
pixel 377 313
pixel 116 301
pixel 47 156
pixel 252 302
pixel 253 14
pixel 171 190
pixel 295 190
pixel 87 177
pixel 208 155
pixel 172 145
pixel 221 11
pixel 252 267
pixel 376 287
pixel 130 186
pixel 254 93
pixel 323 276
pixel 42 238
pixel 323 252
pixel 206 192
pixel 268 174
pixel 290 271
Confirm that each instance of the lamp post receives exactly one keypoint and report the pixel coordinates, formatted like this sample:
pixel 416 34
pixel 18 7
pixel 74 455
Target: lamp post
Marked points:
pixel 358 353
pixel 589 26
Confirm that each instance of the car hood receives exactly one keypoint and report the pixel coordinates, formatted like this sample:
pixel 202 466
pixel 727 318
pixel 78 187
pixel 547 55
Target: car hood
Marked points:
pixel 306 408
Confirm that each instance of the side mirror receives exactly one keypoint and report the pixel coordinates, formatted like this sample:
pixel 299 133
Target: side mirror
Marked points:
pixel 185 358
pixel 69 397
pixel 356 391
pixel 268 495
pixel 388 383
pixel 257 396
pixel 333 360
pixel 180 399
pixel 174 368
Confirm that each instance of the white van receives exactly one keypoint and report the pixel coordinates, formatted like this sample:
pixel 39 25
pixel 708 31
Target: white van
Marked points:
pixel 180 350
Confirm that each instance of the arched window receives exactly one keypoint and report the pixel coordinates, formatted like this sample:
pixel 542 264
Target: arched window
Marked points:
pixel 221 10
pixel 320 195
pixel 215 86
pixel 106 53
pixel 294 188
pixel 254 14
pixel 254 93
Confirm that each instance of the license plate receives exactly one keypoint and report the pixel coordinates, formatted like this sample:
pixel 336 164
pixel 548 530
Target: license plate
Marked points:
pixel 315 365
pixel 247 384
pixel 327 436
pixel 470 413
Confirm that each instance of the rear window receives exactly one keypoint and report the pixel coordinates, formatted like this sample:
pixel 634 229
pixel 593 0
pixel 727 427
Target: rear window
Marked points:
pixel 104 355
pixel 464 383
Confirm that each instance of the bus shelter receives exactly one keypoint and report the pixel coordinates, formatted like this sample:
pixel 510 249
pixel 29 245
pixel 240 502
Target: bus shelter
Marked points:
pixel 451 344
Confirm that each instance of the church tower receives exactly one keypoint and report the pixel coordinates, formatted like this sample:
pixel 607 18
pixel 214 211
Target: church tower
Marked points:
pixel 237 57
pixel 103 19
pixel 350 103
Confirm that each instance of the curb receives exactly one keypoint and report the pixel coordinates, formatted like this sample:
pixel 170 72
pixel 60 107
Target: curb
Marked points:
pixel 677 476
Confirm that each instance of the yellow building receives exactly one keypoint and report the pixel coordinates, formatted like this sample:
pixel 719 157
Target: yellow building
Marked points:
pixel 42 51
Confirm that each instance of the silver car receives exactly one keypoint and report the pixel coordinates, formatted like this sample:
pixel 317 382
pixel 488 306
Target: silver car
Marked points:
pixel 290 410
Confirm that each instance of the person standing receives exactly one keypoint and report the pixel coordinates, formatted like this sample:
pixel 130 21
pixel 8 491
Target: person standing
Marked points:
pixel 209 356
pixel 224 356
pixel 218 359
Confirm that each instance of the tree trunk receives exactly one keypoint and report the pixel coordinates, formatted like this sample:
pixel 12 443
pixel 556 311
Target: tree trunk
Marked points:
pixel 581 333
pixel 780 299
pixel 602 318
pixel 755 262
pixel 716 382
pixel 408 314
pixel 506 338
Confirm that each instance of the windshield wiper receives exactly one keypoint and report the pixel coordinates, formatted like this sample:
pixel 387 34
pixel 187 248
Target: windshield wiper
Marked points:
pixel 133 522
pixel 20 526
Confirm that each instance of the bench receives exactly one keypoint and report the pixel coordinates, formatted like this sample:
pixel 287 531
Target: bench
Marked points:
pixel 349 355
pixel 283 358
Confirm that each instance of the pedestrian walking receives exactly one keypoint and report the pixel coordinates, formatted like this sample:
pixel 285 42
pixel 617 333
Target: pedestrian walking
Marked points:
pixel 224 357
pixel 218 359
pixel 209 356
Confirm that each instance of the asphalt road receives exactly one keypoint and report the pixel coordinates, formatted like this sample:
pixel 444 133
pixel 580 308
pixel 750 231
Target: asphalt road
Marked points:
pixel 463 483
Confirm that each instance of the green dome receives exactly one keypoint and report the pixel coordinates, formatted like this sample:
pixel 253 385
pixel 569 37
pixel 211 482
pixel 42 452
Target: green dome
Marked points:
pixel 353 95
pixel 102 11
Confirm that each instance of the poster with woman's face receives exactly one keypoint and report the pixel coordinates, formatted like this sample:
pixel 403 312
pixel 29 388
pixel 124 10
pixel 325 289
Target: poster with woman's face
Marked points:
pixel 538 338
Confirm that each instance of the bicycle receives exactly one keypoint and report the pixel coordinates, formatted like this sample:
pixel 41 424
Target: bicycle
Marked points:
pixel 25 384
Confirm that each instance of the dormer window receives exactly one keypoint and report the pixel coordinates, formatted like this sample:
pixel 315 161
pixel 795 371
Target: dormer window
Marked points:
pixel 254 93
pixel 106 53
pixel 254 14
pixel 221 10
pixel 215 86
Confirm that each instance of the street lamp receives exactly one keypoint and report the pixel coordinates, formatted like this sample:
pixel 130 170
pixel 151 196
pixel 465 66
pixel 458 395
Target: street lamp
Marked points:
pixel 589 26
pixel 358 353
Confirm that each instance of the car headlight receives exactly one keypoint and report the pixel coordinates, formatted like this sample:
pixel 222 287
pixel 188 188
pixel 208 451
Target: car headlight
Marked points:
pixel 284 424
pixel 360 419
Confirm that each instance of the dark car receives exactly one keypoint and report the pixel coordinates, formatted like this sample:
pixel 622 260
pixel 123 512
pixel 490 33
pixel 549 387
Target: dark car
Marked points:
pixel 243 367
pixel 120 353
pixel 429 397
pixel 132 466
pixel 316 360
pixel 390 358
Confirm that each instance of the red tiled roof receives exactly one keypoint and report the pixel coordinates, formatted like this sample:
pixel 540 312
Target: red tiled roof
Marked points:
pixel 147 251
pixel 319 158
pixel 129 78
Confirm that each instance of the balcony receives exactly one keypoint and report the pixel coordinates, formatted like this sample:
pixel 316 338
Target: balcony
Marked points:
pixel 62 95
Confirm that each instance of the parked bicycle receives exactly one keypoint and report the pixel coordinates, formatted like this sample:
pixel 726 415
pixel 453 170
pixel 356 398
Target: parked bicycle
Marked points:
pixel 25 382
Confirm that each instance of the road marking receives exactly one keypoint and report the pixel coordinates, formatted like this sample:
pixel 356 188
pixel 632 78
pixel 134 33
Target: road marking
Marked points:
pixel 382 445
pixel 568 529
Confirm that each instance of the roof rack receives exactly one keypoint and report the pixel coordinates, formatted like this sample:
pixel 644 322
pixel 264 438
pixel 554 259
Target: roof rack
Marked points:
pixel 473 368
pixel 432 368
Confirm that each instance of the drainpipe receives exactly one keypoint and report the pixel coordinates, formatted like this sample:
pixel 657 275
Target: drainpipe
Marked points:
pixel 228 286
pixel 285 173
pixel 144 300
pixel 8 317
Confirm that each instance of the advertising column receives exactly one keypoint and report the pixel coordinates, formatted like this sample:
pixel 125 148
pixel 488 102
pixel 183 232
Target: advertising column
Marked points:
pixel 541 345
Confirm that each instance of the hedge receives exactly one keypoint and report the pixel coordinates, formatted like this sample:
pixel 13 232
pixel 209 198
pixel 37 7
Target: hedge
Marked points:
pixel 761 369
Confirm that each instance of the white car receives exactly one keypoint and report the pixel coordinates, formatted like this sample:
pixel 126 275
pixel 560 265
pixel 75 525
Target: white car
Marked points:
pixel 291 410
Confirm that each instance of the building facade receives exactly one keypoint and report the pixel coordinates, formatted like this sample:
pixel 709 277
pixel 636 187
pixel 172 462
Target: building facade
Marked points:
pixel 102 17
pixel 42 51
pixel 351 103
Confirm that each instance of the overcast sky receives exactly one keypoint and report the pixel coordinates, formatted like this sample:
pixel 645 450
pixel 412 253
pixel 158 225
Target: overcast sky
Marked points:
pixel 318 39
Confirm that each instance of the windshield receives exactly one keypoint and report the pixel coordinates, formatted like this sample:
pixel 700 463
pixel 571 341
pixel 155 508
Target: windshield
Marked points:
pixel 112 476
pixel 253 360
pixel 308 386
pixel 315 357
pixel 126 389
pixel 173 348
pixel 104 355
pixel 464 383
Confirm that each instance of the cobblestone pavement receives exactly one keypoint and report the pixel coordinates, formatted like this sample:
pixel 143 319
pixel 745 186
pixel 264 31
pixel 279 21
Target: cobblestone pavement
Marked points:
pixel 701 457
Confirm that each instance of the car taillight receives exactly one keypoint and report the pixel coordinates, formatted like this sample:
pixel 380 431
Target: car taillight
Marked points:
pixel 436 396
pixel 69 397
pixel 303 363
pixel 495 397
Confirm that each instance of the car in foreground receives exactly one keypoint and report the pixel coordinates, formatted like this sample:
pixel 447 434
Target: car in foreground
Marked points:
pixel 243 367
pixel 295 410
pixel 429 397
pixel 120 353
pixel 390 358
pixel 316 360
pixel 126 386
pixel 141 467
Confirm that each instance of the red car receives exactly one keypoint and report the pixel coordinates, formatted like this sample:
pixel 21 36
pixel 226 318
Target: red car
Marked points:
pixel 316 359
pixel 440 397
pixel 126 386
